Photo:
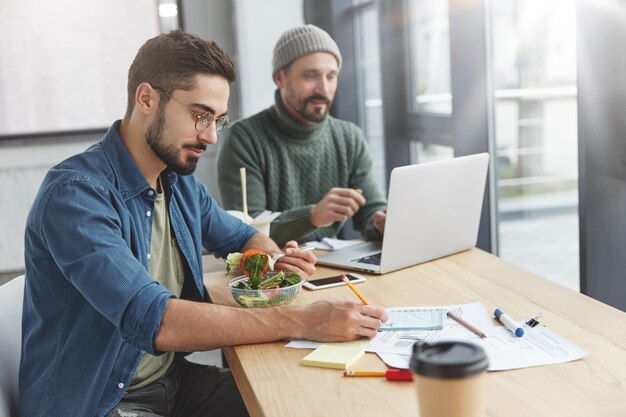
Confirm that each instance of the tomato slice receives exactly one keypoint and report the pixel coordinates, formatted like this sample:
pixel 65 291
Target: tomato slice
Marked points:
pixel 253 251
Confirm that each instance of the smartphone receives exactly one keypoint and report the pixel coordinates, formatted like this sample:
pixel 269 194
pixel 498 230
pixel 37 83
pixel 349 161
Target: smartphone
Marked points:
pixel 321 283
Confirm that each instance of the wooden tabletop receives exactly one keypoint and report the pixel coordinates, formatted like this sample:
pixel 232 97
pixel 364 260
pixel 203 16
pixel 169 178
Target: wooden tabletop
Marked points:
pixel 274 383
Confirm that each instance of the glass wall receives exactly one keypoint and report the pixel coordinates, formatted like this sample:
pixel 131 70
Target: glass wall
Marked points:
pixel 430 56
pixel 369 92
pixel 526 103
pixel 534 79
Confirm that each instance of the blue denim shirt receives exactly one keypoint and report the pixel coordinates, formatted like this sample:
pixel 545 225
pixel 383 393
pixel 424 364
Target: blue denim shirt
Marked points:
pixel 90 305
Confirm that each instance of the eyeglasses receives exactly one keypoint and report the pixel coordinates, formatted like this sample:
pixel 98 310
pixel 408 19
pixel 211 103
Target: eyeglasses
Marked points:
pixel 202 120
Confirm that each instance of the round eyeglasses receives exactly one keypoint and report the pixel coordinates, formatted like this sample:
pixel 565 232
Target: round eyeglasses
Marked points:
pixel 202 120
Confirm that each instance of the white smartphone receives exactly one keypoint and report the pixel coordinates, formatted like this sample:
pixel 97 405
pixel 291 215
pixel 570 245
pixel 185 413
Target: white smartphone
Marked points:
pixel 329 282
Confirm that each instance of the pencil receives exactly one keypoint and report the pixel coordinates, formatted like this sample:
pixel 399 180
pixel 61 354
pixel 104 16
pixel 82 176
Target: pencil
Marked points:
pixel 354 290
pixel 469 326
pixel 364 373
pixel 390 374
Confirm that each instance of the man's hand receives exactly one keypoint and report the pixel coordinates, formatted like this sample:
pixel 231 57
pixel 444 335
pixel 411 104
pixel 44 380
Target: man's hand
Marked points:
pixel 342 320
pixel 379 221
pixel 338 205
pixel 296 260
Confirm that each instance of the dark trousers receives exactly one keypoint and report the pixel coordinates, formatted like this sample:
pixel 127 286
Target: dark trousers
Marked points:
pixel 189 390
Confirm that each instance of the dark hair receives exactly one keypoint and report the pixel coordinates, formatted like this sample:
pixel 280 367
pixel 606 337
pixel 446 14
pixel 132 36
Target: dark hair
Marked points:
pixel 172 60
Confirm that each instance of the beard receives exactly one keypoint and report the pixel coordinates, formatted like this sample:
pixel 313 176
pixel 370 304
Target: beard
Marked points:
pixel 318 114
pixel 168 152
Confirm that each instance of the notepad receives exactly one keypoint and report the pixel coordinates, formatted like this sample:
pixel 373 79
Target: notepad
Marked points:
pixel 411 318
pixel 336 355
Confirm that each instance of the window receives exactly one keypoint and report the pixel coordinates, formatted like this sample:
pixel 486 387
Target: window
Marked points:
pixel 369 90
pixel 430 56
pixel 534 78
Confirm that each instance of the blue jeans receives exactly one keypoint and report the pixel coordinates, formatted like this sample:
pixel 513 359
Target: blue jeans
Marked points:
pixel 189 390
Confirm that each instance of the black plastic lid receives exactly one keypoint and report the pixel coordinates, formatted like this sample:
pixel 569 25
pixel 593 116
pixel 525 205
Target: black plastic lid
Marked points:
pixel 448 359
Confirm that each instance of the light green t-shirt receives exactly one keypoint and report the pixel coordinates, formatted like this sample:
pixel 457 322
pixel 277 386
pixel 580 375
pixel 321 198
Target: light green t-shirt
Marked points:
pixel 166 266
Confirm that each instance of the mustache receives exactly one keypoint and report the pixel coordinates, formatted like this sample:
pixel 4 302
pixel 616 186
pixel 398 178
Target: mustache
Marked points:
pixel 199 146
pixel 317 97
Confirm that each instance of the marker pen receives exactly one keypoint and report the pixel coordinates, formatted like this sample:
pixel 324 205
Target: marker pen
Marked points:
pixel 509 323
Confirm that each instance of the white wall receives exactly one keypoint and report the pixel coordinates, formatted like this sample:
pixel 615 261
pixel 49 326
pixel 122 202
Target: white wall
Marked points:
pixel 63 67
pixel 258 27
pixel 248 31
pixel 22 169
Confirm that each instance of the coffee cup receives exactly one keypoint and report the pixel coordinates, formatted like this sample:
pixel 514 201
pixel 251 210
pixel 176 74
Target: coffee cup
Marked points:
pixel 450 379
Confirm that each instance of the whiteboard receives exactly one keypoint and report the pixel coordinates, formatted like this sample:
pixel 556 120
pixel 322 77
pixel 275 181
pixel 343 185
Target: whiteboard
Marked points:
pixel 64 63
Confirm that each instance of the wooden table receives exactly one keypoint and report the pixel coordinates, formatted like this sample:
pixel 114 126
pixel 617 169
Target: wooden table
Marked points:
pixel 273 382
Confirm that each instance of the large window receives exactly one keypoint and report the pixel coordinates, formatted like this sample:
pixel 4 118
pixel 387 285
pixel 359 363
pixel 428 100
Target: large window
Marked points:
pixel 464 81
pixel 369 90
pixel 430 56
pixel 429 63
pixel 534 78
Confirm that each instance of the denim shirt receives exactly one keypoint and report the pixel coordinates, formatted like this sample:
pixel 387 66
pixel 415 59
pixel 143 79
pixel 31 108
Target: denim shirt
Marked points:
pixel 90 306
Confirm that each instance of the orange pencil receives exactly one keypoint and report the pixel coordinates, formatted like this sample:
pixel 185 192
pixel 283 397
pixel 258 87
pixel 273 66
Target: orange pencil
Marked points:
pixel 354 290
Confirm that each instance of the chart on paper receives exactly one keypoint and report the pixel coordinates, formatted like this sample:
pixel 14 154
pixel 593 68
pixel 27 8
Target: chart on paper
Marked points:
pixel 412 318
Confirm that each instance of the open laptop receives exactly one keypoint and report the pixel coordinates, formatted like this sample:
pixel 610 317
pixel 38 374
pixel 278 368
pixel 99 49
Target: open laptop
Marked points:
pixel 433 210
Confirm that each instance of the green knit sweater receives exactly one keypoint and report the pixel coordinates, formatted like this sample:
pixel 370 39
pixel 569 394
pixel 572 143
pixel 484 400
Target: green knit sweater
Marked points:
pixel 291 166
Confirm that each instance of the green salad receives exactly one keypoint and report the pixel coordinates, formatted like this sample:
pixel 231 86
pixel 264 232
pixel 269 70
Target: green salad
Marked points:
pixel 255 265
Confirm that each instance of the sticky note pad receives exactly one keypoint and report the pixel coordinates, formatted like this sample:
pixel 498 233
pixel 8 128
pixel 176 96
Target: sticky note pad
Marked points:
pixel 336 355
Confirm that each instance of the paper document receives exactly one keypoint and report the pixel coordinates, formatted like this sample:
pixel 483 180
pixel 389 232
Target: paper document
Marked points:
pixel 395 361
pixel 396 341
pixel 411 318
pixel 401 341
pixel 539 346
pixel 331 244
pixel 303 344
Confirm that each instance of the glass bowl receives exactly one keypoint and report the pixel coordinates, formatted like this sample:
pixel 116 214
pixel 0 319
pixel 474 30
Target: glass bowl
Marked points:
pixel 270 297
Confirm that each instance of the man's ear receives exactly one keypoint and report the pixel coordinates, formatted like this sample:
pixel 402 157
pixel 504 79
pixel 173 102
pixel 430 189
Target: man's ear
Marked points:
pixel 279 78
pixel 146 98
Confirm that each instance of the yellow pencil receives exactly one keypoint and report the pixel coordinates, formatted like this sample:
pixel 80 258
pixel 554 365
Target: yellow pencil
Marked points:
pixel 353 288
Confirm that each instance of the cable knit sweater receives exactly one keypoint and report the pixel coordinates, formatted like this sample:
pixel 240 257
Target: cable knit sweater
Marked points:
pixel 291 166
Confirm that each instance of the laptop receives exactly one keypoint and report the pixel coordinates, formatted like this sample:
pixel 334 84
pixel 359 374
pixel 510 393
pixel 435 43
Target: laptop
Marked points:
pixel 433 210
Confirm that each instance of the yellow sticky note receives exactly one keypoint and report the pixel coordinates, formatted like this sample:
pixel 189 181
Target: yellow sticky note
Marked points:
pixel 336 355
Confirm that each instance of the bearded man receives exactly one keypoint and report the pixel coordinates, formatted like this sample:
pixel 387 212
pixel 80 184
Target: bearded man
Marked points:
pixel 313 168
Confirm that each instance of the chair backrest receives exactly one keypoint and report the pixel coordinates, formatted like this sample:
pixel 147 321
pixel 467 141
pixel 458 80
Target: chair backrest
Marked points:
pixel 11 299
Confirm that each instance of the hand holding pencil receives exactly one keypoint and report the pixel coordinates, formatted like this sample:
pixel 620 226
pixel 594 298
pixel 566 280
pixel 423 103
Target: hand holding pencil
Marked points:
pixel 335 320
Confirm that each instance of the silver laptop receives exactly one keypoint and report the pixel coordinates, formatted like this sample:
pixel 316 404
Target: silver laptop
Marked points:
pixel 433 210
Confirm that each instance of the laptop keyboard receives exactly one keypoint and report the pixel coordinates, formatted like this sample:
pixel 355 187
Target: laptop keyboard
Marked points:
pixel 370 259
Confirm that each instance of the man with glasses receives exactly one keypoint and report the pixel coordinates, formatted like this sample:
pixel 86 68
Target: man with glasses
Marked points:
pixel 314 169
pixel 114 292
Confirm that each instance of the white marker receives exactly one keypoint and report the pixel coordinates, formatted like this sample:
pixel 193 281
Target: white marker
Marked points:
pixel 509 323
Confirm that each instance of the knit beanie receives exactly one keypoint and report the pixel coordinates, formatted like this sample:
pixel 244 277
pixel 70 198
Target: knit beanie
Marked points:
pixel 301 41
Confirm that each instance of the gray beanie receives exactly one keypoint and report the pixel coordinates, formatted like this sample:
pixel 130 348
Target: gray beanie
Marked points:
pixel 301 41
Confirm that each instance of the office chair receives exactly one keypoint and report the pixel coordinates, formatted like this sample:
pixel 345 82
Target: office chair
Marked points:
pixel 11 299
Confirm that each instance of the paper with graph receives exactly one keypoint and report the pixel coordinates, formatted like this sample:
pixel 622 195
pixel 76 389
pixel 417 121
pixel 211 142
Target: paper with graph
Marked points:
pixel 413 318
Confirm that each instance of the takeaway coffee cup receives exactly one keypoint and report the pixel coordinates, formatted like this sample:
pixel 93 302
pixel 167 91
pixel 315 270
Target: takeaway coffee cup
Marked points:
pixel 450 379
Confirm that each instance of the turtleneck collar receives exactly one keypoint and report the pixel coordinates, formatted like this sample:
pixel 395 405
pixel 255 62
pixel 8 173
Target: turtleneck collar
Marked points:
pixel 291 127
